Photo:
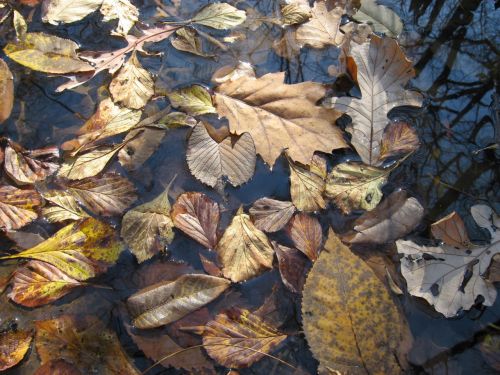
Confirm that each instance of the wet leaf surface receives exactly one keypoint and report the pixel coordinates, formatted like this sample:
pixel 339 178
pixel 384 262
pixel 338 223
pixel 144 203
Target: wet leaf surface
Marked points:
pixel 306 234
pixel 271 215
pixel 16 207
pixel 13 347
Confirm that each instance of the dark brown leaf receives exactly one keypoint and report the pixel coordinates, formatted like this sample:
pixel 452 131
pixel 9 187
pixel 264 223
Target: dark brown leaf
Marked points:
pixel 306 234
pixel 293 267
pixel 58 367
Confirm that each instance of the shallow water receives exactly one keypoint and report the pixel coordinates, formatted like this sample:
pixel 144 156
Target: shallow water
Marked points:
pixel 454 46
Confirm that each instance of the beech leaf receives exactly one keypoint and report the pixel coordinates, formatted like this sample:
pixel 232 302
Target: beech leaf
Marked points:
pixel 6 91
pixel 292 265
pixel 13 347
pixel 188 40
pixel 399 138
pixel 271 215
pixel 220 16
pixel 16 207
pixel 451 230
pixel 67 11
pixel 306 234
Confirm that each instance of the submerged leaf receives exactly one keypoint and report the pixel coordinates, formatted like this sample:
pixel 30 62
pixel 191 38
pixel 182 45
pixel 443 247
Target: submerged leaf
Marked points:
pixel 67 11
pixel 194 100
pixel 271 215
pixel 16 207
pixel 451 230
pixel 188 40
pixel 306 187
pixel 220 16
pixel 306 234
pixel 6 91
pixel 379 17
pixel 13 347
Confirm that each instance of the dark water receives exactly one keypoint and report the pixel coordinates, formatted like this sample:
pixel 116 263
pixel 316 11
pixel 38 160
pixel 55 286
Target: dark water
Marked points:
pixel 454 45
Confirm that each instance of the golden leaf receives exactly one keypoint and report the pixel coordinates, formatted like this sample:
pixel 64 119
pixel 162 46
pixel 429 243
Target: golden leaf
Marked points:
pixel 194 100
pixel 6 91
pixel 13 347
pixel 306 234
pixel 65 207
pixel 295 13
pixel 220 16
pixel 16 207
pixel 306 187
pixel 399 137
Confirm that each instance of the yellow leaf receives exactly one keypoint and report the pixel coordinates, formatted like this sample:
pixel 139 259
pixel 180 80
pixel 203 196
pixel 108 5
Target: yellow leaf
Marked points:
pixel 306 187
pixel 13 347
pixel 295 13
pixel 65 207
pixel 194 100
pixel 220 16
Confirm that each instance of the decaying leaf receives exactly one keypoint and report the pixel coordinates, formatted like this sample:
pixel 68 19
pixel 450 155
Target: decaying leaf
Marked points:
pixel 140 145
pixel 194 100
pixel 271 215
pixel 295 13
pixel 148 228
pixel 306 187
pixel 379 17
pixel 244 251
pixel 232 73
pixel 6 91
pixel 355 186
pixel 394 218
pixel 399 138
pixel 16 207
pixel 215 153
pixel 166 302
pixel 13 347
pixel 38 283
pixel 292 265
pixel 238 338
pixel 82 250
pixel 57 367
pixel 451 279
pixel 133 86
pixel 382 73
pixel 68 337
pixel 350 321
pixel 198 216
pixel 188 40
pixel 279 116
pixel 123 10
pixel 451 230
pixel 306 234
pixel 64 207
pixel 67 11
pixel 220 16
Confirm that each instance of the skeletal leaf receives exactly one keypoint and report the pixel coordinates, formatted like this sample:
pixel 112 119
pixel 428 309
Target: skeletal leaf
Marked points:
pixel 220 16
pixel 279 116
pixel 450 279
pixel 188 40
pixel 13 347
pixel 238 338
pixel 292 265
pixel 47 53
pixel 350 321
pixel 133 86
pixel 64 207
pixel 394 218
pixel 271 215
pixel 379 17
pixel 16 207
pixel 67 11
pixel 123 10
pixel 6 91
pixel 81 250
pixel 198 216
pixel 107 195
pixel 166 302
pixel 295 13
pixel 451 230
pixel 244 251
pixel 148 229
pixel 306 187
pixel 355 186
pixel 38 283
pixel 398 138
pixel 215 153
pixel 194 100
pixel 306 234
pixel 68 336
pixel 382 72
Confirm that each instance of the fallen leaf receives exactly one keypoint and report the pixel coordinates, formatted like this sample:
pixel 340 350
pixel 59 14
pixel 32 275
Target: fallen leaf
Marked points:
pixel 166 302
pixel 271 215
pixel 13 347
pixel 279 116
pixel 188 40
pixel 350 321
pixel 244 251
pixel 28 167
pixel 160 271
pixel 65 207
pixel 238 338
pixel 355 186
pixel 123 10
pixel 215 153
pixel 67 11
pixel 322 29
pixel 451 230
pixel 133 86
pixel 394 218
pixel 399 138
pixel 57 367
pixel 292 265
pixel 107 195
pixel 68 337
pixel 295 13
pixel 220 16
pixel 198 216
pixel 451 279
pixel 16 207
pixel 194 100
pixel 490 350
pixel 306 234
pixel 39 283
pixel 6 91
pixel 47 53
pixel 20 25
pixel 232 73
pixel 209 264
pixel 148 229
pixel 306 187
pixel 381 18
pixel 484 216
pixel 381 81
pixel 82 249
pixel 140 145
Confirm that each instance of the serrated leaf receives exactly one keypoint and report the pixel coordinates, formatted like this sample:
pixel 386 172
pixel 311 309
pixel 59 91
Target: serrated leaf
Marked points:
pixel 306 187
pixel 65 207
pixel 67 11
pixel 13 347
pixel 220 16
pixel 16 207
pixel 6 91
pixel 379 17
pixel 194 100
pixel 271 215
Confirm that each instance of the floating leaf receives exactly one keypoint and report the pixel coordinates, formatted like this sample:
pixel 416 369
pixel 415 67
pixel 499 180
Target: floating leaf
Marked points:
pixel 239 338
pixel 279 116
pixel 166 302
pixel 215 153
pixel 16 207
pixel 198 216
pixel 140 145
pixel 306 188
pixel 295 13
pixel 81 250
pixel 450 279
pixel 355 186
pixel 292 265
pixel 451 230
pixel 220 16
pixel 13 347
pixel 244 250
pixel 194 100
pixel 350 321
pixel 271 215
pixel 306 234
pixel 394 218
pixel 133 86
pixel 382 82
pixel 65 207
pixel 57 367
pixel 188 40
pixel 148 228
pixel 123 10
pixel 47 53
pixel 67 11
pixel 68 336
pixel 6 91
pixel 38 283
pixel 379 17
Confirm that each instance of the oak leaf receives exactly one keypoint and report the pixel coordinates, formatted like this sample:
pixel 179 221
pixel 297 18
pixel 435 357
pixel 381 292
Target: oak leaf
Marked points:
pixel 271 215
pixel 306 234
pixel 13 347
pixel 6 91
pixel 16 207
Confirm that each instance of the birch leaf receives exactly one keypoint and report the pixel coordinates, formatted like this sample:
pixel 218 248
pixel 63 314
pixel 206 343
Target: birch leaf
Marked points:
pixel 13 347
pixel 244 251
pixel 194 100
pixel 271 215
pixel 279 116
pixel 379 17
pixel 306 234
pixel 220 16
pixel 16 207
pixel 306 188
pixel 123 10
pixel 67 11
pixel 382 73
pixel 64 207
pixel 6 91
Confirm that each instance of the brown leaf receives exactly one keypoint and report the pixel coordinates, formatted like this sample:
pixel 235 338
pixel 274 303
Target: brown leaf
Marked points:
pixel 451 230
pixel 279 116
pixel 13 348
pixel 57 367
pixel 210 266
pixel 6 91
pixel 188 40
pixel 306 234
pixel 140 145
pixel 159 271
pixel 292 266
pixel 306 187
pixel 64 207
pixel 16 207
pixel 271 215
pixel 198 216
pixel 399 138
